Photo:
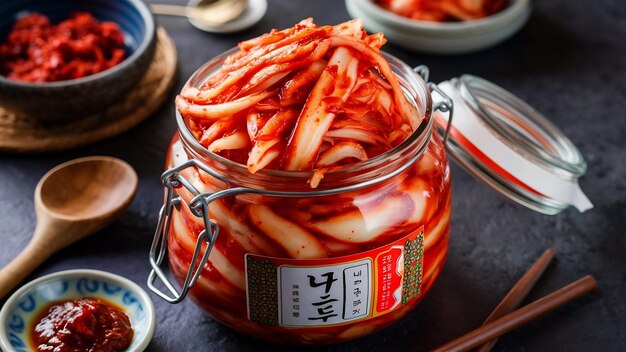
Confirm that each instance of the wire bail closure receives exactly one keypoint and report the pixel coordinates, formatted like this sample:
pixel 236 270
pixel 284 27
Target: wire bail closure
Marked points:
pixel 446 105
pixel 199 207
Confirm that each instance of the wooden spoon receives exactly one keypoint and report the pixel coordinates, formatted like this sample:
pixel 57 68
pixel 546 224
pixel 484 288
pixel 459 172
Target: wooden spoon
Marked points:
pixel 73 200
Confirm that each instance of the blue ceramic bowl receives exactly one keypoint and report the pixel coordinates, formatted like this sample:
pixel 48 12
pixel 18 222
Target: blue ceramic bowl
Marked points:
pixel 72 99
pixel 22 308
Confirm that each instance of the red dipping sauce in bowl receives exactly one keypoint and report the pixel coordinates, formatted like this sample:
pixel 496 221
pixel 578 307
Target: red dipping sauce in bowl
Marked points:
pixel 85 324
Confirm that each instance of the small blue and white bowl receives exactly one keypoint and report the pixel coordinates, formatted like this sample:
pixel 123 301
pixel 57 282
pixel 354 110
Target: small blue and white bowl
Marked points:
pixel 24 306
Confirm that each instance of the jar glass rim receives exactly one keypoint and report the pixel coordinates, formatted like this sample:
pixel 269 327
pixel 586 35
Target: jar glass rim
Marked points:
pixel 414 86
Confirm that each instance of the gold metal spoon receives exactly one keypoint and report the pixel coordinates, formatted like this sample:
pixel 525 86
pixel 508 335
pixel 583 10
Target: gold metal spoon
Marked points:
pixel 204 13
pixel 73 200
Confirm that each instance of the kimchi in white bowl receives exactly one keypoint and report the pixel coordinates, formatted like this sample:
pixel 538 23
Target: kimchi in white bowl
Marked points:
pixel 461 32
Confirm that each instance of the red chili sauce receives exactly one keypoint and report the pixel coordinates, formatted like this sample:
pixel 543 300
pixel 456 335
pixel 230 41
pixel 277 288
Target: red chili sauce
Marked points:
pixel 82 325
pixel 38 51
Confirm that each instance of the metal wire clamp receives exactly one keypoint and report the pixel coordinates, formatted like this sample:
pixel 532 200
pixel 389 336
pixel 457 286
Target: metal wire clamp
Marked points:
pixel 444 105
pixel 199 206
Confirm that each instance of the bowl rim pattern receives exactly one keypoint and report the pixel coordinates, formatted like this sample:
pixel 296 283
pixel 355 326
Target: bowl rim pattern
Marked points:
pixel 141 294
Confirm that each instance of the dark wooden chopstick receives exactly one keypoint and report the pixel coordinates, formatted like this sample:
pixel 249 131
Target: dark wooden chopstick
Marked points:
pixel 516 295
pixel 521 316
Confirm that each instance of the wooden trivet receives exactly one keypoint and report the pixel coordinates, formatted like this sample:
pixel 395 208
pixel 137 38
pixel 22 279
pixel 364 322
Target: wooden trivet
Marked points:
pixel 23 134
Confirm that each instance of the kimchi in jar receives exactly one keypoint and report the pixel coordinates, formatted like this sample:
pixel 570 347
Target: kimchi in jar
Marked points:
pixel 308 192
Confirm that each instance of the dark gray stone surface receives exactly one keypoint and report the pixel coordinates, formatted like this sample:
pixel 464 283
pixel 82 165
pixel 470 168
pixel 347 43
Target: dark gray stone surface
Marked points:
pixel 569 62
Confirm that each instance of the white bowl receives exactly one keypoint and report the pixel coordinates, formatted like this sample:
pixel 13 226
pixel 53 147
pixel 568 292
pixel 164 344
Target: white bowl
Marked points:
pixel 23 307
pixel 442 38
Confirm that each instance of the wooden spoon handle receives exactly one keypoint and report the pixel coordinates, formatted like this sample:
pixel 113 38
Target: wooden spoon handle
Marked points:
pixel 27 261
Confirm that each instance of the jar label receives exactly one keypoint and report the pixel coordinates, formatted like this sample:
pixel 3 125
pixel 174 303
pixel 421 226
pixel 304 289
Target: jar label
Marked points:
pixel 331 291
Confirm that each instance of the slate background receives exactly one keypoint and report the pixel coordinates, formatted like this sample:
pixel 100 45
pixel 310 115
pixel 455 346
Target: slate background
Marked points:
pixel 569 62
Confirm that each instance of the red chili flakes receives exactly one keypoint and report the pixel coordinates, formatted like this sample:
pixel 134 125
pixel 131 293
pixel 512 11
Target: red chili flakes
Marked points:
pixel 39 51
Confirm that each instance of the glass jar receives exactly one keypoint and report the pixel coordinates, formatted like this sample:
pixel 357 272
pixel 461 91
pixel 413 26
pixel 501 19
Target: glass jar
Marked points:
pixel 279 260
pixel 275 258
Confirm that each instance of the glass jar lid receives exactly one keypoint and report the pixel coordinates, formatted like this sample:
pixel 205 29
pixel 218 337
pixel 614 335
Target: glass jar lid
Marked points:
pixel 507 144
